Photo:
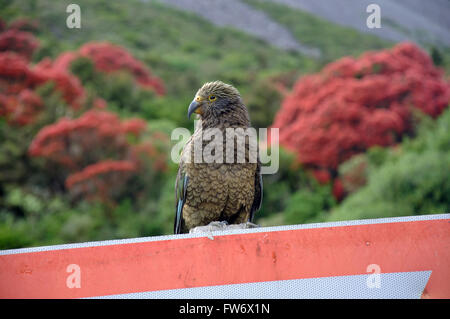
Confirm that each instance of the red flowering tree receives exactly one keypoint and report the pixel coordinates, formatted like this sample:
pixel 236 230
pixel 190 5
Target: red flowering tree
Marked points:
pixel 17 37
pixel 19 103
pixel 17 76
pixel 104 180
pixel 353 104
pixel 110 58
pixel 21 42
pixel 17 45
pixel 21 109
pixel 69 85
pixel 95 153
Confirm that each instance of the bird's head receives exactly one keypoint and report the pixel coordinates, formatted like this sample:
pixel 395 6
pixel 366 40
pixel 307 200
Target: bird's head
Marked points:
pixel 216 99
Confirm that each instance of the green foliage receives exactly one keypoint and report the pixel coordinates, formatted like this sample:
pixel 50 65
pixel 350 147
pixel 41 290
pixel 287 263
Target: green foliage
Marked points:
pixel 263 101
pixel 16 167
pixel 353 173
pixel 13 236
pixel 279 186
pixel 13 147
pixel 28 219
pixel 292 195
pixel 305 205
pixel 437 57
pixel 412 179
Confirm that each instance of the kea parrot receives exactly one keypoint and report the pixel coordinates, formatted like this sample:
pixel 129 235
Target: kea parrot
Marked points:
pixel 223 190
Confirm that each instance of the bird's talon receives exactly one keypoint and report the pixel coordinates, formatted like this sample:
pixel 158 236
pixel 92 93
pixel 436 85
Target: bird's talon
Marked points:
pixel 251 225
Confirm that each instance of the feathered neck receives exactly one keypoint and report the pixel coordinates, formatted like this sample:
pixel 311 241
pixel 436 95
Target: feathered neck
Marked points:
pixel 235 115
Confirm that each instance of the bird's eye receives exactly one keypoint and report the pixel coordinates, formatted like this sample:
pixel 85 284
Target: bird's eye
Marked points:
pixel 212 98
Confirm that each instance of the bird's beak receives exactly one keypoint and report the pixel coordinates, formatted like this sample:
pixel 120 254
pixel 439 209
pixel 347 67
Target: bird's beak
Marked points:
pixel 194 107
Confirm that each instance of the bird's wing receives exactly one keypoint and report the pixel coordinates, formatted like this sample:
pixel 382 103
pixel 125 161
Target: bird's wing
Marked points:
pixel 180 198
pixel 257 200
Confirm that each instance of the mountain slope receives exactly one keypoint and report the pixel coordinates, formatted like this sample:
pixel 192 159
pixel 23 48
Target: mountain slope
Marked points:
pixel 425 22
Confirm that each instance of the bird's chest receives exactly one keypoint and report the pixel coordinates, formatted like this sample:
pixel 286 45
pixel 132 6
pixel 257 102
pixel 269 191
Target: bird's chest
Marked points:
pixel 218 146
pixel 217 183
pixel 218 166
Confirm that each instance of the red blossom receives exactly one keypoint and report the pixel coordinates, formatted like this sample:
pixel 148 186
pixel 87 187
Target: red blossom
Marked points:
pixel 97 169
pixel 322 176
pixel 15 74
pixel 134 126
pixel 20 109
pixel 69 85
pixel 338 189
pixel 21 42
pixel 79 146
pixel 99 103
pixel 108 57
pixel 101 180
pixel 19 78
pixel 148 150
pixel 88 132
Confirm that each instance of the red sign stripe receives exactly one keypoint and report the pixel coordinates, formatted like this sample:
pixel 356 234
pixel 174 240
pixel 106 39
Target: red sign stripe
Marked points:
pixel 231 259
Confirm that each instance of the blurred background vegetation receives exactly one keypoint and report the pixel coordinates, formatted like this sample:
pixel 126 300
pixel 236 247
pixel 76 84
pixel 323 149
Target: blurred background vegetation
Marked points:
pixel 181 51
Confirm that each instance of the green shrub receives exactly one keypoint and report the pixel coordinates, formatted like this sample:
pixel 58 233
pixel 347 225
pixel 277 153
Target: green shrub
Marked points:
pixel 413 178
pixel 304 206
pixel 292 195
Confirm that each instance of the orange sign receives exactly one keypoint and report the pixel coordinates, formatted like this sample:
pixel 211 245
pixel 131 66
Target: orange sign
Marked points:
pixel 272 258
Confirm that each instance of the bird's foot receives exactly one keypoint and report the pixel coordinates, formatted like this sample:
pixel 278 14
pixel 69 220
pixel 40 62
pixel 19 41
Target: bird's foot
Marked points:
pixel 250 225
pixel 212 226
pixel 242 226
pixel 221 225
